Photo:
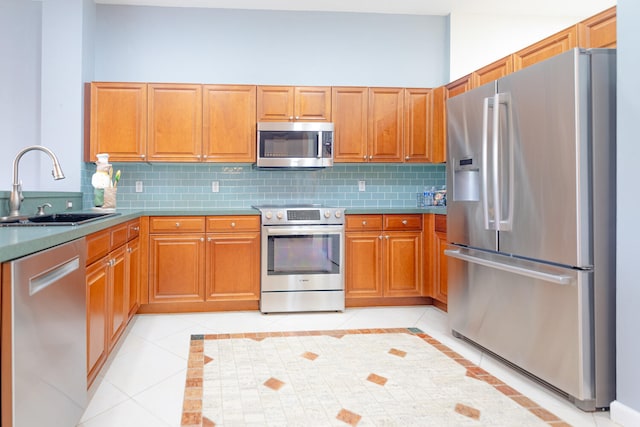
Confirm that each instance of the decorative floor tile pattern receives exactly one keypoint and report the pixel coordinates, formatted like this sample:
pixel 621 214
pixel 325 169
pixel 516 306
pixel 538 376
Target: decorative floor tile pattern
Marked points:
pixel 364 377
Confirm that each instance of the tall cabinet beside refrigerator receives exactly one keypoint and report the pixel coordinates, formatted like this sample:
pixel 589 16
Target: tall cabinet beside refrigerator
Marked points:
pixel 531 222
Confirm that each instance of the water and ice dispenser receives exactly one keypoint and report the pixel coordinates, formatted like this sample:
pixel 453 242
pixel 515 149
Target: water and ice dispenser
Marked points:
pixel 466 180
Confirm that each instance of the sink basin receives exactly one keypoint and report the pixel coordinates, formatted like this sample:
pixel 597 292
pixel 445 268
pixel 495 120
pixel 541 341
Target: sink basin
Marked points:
pixel 55 219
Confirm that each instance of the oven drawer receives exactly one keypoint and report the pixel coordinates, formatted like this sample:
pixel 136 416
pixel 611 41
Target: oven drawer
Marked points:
pixel 233 223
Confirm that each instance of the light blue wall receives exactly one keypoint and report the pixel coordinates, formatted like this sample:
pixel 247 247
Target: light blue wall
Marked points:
pixel 628 207
pixel 270 47
pixel 189 185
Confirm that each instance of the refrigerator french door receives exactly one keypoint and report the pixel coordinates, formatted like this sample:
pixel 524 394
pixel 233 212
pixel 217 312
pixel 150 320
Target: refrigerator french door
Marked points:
pixel 531 221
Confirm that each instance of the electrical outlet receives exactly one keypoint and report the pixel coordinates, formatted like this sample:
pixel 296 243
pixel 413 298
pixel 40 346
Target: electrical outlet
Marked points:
pixel 362 186
pixel 215 186
pixel 69 204
pixel 139 187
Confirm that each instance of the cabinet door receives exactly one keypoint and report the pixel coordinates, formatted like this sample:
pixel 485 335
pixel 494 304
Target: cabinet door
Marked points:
pixel 493 71
pixel 599 30
pixel 440 243
pixel 117 115
pixel 117 295
pixel 439 126
pixel 459 86
pixel 175 122
pixel 350 120
pixel 312 104
pixel 275 103
pixel 176 270
pixel 97 275
pixel 363 266
pixel 417 125
pixel 544 49
pixel 133 276
pixel 227 279
pixel 386 108
pixel 403 263
pixel 229 123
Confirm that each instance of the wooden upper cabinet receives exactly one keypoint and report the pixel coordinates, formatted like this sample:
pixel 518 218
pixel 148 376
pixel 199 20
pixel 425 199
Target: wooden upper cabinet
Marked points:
pixel 598 30
pixel 439 125
pixel 229 123
pixel 289 103
pixel 417 125
pixel 175 122
pixel 312 104
pixel 386 107
pixel 350 120
pixel 117 121
pixel 459 86
pixel 492 72
pixel 553 45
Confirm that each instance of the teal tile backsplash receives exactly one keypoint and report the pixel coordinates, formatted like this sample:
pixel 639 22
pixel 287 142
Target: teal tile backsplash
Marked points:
pixel 168 185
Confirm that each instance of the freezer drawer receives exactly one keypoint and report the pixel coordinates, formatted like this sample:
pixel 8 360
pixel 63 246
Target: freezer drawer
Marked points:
pixel 534 315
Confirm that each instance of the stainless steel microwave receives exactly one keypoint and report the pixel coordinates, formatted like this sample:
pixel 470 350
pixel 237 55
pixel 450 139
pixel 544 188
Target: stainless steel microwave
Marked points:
pixel 295 145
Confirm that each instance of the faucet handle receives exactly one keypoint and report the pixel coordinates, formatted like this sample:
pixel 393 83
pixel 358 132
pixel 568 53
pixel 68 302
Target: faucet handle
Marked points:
pixel 41 209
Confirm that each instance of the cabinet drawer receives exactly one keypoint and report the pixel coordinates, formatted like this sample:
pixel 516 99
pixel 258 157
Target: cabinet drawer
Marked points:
pixel 363 222
pixel 181 224
pixel 233 223
pixel 133 229
pixel 403 222
pixel 119 235
pixel 440 223
pixel 98 245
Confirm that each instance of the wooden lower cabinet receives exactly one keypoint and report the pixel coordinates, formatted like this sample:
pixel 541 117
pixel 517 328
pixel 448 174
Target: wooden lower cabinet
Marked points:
pixel 203 263
pixel 384 264
pixel 435 243
pixel 132 263
pixel 111 270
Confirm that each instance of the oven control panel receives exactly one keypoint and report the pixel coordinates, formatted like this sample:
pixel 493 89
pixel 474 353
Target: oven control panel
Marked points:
pixel 276 215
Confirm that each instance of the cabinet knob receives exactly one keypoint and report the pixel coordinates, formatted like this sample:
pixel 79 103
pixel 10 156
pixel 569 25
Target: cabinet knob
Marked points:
pixel 371 157
pixel 204 157
pixel 135 228
pixel 406 158
pixel 202 239
pixel 297 117
pixel 233 224
pixel 291 118
pixel 364 222
pixel 209 239
pixel 404 222
pixel 129 250
pixel 365 157
pixel 177 224
pixel 142 156
pixel 380 237
pixel 386 237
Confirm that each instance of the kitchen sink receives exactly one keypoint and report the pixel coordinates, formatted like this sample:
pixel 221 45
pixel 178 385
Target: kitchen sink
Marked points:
pixel 55 219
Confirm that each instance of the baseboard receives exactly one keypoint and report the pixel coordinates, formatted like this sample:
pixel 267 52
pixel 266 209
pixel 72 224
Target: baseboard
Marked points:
pixel 624 415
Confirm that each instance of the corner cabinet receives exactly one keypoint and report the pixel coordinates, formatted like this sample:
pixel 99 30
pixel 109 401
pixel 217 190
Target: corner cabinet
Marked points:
pixel 384 264
pixel 199 263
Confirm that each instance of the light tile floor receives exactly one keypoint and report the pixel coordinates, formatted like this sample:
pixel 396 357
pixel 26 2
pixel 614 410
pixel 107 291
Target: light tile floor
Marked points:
pixel 143 381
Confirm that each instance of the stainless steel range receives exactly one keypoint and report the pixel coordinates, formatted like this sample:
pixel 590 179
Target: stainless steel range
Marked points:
pixel 302 259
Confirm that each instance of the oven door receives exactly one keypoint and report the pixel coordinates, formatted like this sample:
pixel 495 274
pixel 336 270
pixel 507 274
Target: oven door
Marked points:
pixel 302 258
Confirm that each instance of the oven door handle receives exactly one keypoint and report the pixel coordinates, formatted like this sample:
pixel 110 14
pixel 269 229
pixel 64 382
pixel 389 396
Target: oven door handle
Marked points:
pixel 295 230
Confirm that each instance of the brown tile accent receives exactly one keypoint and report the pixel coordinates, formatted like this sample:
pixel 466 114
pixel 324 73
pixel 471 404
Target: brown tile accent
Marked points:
pixel 348 417
pixel 544 415
pixel 397 352
pixel 206 422
pixel 207 359
pixel 467 411
pixel 273 384
pixel 524 401
pixel 191 419
pixel 309 355
pixel 377 379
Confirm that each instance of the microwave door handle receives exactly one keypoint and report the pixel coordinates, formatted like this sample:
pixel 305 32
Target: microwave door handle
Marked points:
pixel 319 136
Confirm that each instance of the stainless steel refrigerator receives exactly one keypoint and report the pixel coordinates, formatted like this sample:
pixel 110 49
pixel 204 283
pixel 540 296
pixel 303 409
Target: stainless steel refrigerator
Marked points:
pixel 531 222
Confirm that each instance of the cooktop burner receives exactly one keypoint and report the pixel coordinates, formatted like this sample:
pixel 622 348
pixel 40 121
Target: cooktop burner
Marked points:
pixel 303 214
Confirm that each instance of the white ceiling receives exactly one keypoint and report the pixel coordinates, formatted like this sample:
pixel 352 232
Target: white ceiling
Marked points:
pixel 413 7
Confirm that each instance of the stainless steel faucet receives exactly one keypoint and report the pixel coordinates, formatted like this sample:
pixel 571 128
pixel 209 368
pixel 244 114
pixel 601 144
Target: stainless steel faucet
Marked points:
pixel 16 197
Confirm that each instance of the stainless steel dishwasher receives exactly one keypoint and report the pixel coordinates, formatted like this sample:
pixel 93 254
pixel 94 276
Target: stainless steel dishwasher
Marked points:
pixel 48 307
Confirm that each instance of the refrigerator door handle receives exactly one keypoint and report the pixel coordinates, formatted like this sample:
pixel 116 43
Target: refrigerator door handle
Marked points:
pixel 559 279
pixel 488 223
pixel 504 145
pixel 495 163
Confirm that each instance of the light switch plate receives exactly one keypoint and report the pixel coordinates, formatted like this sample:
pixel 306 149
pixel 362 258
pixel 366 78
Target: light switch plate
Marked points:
pixel 138 186
pixel 215 186
pixel 362 186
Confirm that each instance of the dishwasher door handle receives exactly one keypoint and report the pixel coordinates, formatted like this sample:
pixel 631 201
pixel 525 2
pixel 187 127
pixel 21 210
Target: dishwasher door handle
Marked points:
pixel 42 281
